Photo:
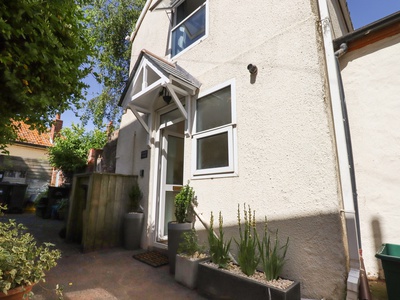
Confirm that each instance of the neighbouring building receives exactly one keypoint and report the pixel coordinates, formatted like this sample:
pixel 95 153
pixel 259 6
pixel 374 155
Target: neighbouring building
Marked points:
pixel 370 71
pixel 27 161
pixel 244 100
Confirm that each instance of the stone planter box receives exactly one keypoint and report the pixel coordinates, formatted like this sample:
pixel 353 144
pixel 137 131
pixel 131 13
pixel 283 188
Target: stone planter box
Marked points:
pixel 186 270
pixel 221 284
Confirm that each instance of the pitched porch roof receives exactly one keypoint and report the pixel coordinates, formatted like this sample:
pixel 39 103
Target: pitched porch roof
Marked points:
pixel 170 72
pixel 152 77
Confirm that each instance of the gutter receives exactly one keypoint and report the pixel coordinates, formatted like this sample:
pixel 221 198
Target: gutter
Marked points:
pixel 346 185
pixel 367 30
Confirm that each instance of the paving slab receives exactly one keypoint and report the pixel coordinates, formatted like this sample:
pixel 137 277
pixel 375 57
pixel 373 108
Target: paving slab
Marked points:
pixel 106 274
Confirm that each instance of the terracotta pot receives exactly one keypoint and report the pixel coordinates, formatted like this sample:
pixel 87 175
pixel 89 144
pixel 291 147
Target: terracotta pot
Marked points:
pixel 16 294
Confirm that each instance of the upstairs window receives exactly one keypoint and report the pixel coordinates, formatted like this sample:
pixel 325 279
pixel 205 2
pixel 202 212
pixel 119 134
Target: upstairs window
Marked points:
pixel 189 24
pixel 215 133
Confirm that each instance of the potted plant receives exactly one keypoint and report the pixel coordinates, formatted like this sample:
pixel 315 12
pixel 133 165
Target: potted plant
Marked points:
pixel 226 280
pixel 190 254
pixel 41 203
pixel 22 262
pixel 133 220
pixel 62 209
pixel 182 203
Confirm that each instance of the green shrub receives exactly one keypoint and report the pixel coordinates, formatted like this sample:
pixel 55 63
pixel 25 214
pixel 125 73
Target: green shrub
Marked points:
pixel 190 244
pixel 22 262
pixel 182 203
pixel 135 195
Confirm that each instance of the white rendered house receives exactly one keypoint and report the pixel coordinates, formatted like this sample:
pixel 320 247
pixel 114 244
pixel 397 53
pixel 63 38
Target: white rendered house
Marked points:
pixel 240 98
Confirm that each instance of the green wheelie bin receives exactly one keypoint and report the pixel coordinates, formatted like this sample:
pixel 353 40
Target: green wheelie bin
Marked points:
pixel 389 254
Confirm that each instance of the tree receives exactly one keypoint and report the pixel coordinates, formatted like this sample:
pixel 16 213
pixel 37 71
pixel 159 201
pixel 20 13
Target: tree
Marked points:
pixel 70 150
pixel 109 22
pixel 43 52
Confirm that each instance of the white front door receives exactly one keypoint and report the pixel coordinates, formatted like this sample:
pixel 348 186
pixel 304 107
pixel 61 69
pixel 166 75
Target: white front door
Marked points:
pixel 170 176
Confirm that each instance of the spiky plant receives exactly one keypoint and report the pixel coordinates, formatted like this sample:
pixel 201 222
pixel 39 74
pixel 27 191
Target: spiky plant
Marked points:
pixel 248 258
pixel 219 249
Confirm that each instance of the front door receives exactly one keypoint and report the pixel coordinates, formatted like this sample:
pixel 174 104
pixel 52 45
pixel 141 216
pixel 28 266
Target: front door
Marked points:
pixel 171 175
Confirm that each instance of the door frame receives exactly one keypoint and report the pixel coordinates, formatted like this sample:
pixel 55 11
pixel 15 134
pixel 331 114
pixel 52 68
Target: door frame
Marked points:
pixel 157 168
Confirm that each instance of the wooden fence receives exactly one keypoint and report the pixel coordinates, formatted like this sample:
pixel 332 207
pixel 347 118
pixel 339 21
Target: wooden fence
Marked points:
pixel 98 203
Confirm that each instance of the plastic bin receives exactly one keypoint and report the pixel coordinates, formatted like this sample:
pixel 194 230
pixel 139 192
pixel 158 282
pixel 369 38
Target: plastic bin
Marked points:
pixel 389 254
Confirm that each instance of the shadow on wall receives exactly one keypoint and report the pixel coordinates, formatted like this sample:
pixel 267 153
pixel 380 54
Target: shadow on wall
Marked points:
pixel 316 250
pixel 377 234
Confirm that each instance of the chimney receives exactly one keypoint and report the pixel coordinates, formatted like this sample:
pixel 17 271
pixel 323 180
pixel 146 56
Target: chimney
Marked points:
pixel 55 128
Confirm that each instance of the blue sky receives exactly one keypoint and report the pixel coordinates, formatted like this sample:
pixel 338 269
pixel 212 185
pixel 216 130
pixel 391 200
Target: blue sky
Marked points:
pixel 69 117
pixel 362 12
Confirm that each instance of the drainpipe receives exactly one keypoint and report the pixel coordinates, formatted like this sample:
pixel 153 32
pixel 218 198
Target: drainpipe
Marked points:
pixel 139 21
pixel 342 50
pixel 365 293
pixel 353 278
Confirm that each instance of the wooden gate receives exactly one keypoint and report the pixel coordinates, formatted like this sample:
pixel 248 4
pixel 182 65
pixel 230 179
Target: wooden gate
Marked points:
pixel 98 203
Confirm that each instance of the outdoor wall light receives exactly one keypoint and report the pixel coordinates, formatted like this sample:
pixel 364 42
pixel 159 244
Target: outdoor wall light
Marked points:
pixel 252 69
pixel 166 96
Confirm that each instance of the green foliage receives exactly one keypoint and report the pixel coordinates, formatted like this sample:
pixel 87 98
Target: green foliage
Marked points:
pixel 109 22
pixel 182 203
pixel 272 255
pixel 248 258
pixel 219 249
pixel 70 150
pixel 43 51
pixel 62 206
pixel 22 262
pixel 135 195
pixel 190 244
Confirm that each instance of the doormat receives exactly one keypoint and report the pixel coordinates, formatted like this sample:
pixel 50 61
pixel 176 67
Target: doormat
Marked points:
pixel 152 258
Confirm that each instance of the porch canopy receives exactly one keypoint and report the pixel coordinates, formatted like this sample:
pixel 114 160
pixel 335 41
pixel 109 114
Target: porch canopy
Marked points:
pixel 151 78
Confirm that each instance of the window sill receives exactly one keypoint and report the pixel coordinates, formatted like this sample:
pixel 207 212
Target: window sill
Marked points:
pixel 212 176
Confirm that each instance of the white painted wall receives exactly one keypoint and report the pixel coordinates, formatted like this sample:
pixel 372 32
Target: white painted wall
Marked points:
pixel 287 165
pixel 371 81
pixel 27 152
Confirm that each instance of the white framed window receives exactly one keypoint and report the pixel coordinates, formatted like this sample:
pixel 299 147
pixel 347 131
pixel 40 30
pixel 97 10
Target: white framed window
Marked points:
pixel 190 25
pixel 214 137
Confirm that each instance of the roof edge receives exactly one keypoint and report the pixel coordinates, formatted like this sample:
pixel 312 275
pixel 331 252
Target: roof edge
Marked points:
pixel 368 30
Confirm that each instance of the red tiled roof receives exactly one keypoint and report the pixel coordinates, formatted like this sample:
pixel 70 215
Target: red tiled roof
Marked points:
pixel 29 136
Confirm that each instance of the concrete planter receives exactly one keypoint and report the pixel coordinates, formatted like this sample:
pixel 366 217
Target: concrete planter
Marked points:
pixel 175 231
pixel 221 284
pixel 133 226
pixel 186 270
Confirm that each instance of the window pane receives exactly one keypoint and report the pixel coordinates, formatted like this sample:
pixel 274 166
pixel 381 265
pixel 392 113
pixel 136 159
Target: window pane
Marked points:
pixel 169 209
pixel 212 151
pixel 186 9
pixel 175 160
pixel 170 116
pixel 214 110
pixel 189 31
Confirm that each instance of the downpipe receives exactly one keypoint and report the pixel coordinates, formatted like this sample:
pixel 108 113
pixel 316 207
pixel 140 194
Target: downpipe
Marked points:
pixel 364 291
pixel 353 278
